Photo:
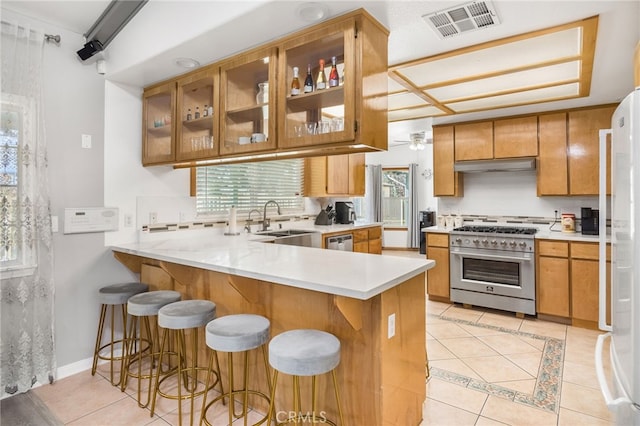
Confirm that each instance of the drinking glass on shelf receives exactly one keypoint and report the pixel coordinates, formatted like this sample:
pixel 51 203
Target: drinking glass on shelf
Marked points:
pixel 311 127
pixel 323 127
pixel 337 124
pixel 298 130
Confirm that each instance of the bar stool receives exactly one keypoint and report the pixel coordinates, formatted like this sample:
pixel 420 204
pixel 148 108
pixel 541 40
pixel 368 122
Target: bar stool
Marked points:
pixel 304 352
pixel 114 295
pixel 143 306
pixel 235 334
pixel 175 318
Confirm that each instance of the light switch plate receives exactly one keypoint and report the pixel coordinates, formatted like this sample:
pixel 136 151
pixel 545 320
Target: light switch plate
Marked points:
pixel 86 141
pixel 391 326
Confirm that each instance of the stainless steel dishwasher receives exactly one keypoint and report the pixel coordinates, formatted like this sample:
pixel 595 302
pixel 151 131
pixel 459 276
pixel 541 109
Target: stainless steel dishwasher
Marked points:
pixel 340 242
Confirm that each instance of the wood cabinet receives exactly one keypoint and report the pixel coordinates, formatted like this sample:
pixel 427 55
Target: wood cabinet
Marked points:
pixel 567 281
pixel 583 149
pixel 336 175
pixel 446 182
pixel 353 112
pixel 552 175
pixel 375 240
pixel 474 141
pixel 197 128
pixel 159 124
pixel 515 137
pixel 552 276
pixel 248 103
pixel 585 284
pixel 244 124
pixel 438 276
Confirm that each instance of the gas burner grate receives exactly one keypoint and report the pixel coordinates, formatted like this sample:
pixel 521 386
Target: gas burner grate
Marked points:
pixel 497 229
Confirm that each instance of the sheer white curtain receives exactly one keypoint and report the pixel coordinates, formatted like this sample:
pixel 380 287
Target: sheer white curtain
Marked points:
pixel 26 338
pixel 413 231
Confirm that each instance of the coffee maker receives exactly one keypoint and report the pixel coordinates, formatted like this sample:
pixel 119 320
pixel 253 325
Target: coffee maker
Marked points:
pixel 590 221
pixel 345 212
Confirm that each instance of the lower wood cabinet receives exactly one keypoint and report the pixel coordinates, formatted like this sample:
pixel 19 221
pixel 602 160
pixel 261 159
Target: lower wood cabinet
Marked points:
pixel 552 276
pixel 438 276
pixel 567 281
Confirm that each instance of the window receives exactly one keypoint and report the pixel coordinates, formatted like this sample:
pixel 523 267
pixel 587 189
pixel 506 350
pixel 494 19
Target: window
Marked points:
pixel 249 186
pixel 395 197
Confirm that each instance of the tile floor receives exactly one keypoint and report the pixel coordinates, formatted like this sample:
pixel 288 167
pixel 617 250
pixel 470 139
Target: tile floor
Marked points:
pixel 487 368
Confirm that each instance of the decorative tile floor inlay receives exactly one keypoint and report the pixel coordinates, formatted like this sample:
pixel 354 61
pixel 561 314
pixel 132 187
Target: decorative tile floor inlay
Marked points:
pixel 546 394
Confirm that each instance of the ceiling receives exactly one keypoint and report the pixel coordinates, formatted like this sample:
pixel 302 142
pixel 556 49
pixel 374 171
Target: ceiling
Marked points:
pixel 164 30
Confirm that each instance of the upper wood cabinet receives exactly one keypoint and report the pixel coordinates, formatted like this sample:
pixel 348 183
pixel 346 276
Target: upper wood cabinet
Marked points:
pixel 353 111
pixel 583 149
pixel 159 124
pixel 336 175
pixel 446 182
pixel 553 178
pixel 254 111
pixel 196 113
pixel 248 102
pixel 515 137
pixel 474 141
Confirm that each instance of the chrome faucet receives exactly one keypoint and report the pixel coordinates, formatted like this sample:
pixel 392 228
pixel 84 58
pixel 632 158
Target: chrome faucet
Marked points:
pixel 265 223
pixel 247 226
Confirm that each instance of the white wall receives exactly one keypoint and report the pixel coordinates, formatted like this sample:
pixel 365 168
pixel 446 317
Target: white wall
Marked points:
pixel 509 194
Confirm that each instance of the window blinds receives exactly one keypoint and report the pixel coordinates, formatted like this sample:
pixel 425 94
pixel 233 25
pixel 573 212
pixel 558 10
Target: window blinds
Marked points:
pixel 249 186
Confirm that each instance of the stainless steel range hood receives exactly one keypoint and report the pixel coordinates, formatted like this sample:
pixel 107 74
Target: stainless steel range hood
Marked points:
pixel 503 165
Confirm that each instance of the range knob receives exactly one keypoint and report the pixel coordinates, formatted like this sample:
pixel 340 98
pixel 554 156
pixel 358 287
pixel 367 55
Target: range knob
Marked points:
pixel 476 241
pixel 494 243
pixel 513 244
pixel 458 240
pixel 485 242
pixel 503 243
pixel 522 244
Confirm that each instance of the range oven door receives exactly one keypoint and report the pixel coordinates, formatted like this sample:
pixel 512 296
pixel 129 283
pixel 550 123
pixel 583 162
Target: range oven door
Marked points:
pixel 504 273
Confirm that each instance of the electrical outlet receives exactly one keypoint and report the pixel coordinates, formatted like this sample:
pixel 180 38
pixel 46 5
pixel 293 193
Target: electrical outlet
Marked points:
pixel 391 326
pixel 153 218
pixel 128 220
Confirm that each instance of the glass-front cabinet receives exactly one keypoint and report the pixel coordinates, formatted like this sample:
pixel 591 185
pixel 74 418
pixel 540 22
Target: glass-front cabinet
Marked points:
pixel 248 103
pixel 322 111
pixel 197 115
pixel 158 108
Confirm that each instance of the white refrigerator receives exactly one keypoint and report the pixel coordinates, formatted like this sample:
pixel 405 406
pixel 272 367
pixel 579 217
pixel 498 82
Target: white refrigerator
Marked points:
pixel 621 391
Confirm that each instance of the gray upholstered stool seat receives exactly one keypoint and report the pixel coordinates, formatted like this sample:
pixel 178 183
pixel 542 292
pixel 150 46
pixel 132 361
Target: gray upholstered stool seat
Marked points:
pixel 114 295
pixel 119 294
pixel 144 347
pixel 148 304
pixel 304 352
pixel 237 333
pixel 233 334
pixel 175 319
pixel 186 314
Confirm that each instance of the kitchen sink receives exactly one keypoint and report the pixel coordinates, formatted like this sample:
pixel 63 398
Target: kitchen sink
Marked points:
pixel 285 232
pixel 294 237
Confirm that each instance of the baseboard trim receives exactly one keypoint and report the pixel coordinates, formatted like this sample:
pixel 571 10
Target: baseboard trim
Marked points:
pixel 74 368
pixel 400 249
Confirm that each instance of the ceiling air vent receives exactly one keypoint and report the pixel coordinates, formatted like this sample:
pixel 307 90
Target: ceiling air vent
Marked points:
pixel 460 19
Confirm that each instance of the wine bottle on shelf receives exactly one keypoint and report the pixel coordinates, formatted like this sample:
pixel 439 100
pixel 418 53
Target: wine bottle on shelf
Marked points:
pixel 321 81
pixel 197 113
pixel 334 79
pixel 295 83
pixel 205 111
pixel 189 114
pixel 308 82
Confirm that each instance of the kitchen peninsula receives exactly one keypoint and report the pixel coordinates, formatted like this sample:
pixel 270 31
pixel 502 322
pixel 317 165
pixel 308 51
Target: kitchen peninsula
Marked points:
pixel 352 295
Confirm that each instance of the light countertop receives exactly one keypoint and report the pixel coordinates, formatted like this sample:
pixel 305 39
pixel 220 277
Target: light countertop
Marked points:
pixel 543 234
pixel 356 275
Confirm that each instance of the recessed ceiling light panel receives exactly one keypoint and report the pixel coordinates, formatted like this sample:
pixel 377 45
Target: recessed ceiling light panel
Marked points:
pixel 187 63
pixel 463 18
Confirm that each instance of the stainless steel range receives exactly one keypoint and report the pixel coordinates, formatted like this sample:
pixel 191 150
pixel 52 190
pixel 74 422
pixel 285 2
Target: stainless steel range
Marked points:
pixel 494 267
